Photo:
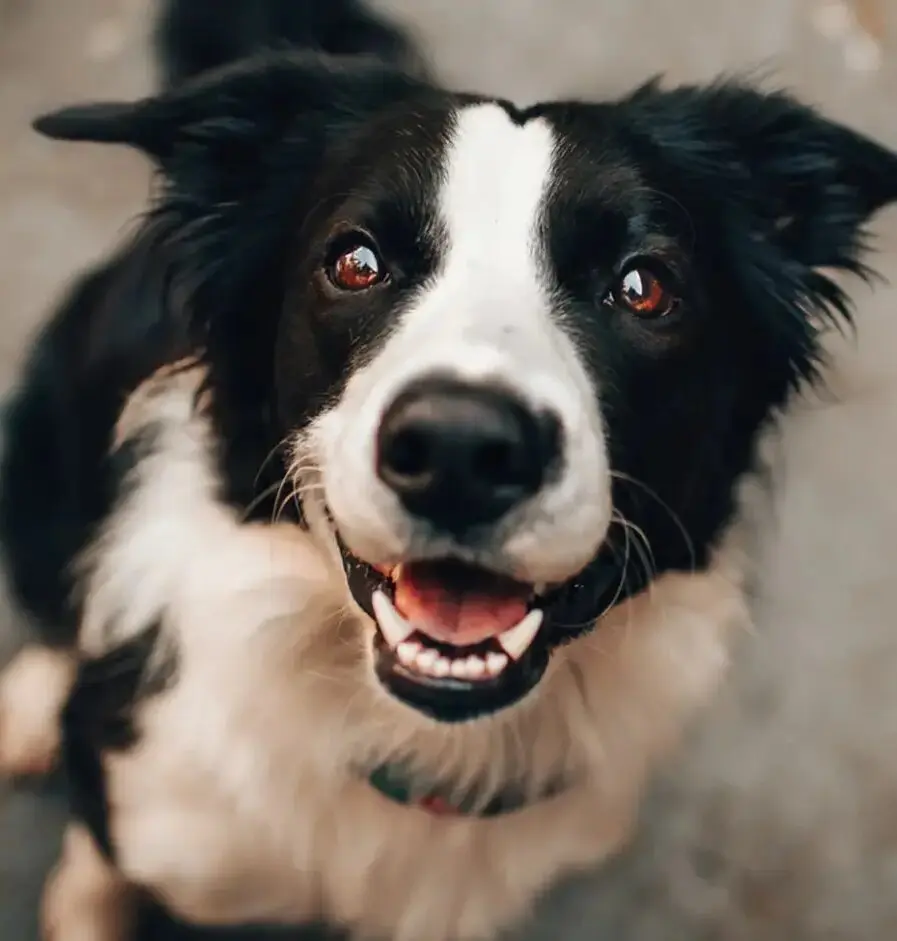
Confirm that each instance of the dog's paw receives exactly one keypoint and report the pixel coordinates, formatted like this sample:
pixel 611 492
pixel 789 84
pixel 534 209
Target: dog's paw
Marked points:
pixel 87 918
pixel 85 899
pixel 33 689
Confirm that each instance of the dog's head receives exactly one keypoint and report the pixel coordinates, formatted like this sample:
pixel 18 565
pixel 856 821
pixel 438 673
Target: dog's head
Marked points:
pixel 519 358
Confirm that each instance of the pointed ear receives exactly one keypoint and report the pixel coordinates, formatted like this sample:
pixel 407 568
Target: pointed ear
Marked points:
pixel 237 108
pixel 105 123
pixel 805 183
pixel 212 108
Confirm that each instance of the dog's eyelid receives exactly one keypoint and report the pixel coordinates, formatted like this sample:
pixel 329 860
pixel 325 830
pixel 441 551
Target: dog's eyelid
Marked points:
pixel 342 239
pixel 346 232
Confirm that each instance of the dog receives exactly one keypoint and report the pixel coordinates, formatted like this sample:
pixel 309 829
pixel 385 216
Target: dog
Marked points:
pixel 378 505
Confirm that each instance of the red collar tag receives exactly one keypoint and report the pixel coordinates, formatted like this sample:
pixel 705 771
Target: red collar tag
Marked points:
pixel 439 806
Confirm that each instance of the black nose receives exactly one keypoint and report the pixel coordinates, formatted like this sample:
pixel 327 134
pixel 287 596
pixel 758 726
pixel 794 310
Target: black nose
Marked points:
pixel 461 455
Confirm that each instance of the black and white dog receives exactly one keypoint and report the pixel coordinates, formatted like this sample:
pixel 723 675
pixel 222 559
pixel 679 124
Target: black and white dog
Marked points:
pixel 378 502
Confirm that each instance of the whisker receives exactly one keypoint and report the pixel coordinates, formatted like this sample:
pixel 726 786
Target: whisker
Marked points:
pixel 268 458
pixel 578 625
pixel 295 493
pixel 642 547
pixel 277 509
pixel 624 569
pixel 260 498
pixel 689 544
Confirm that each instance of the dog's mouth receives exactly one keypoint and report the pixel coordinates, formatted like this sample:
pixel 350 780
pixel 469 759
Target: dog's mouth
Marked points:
pixel 453 640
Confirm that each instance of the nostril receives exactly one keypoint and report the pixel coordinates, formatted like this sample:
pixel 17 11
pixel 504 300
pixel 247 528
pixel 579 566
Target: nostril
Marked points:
pixel 408 454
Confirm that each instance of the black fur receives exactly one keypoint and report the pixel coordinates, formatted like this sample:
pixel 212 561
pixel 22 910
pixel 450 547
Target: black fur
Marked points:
pixel 57 478
pixel 194 36
pixel 99 718
pixel 156 925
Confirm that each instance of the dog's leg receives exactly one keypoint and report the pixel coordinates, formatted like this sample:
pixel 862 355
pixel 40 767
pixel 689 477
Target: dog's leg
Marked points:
pixel 33 690
pixel 85 898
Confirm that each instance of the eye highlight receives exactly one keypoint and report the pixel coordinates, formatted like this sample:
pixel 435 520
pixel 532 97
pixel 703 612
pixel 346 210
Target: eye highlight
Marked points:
pixel 355 266
pixel 642 291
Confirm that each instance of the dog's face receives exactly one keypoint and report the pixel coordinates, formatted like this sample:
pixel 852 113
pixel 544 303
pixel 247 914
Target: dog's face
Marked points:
pixel 519 358
pixel 462 451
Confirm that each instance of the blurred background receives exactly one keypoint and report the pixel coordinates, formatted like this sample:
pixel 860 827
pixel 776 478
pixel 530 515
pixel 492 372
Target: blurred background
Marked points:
pixel 779 821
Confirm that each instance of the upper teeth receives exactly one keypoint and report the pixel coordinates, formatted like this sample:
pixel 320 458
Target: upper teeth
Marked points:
pixel 397 633
pixel 393 626
pixel 516 641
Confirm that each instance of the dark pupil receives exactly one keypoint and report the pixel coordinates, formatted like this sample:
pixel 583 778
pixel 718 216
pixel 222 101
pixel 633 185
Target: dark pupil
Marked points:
pixel 362 264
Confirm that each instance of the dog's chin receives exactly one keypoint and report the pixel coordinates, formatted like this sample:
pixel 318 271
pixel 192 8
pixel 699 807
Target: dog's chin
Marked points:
pixel 453 641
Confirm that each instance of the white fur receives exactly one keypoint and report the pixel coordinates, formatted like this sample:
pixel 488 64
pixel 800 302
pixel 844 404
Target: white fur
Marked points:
pixel 245 799
pixel 488 314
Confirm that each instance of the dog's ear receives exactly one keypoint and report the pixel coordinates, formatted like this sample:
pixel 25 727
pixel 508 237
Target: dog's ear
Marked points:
pixel 806 183
pixel 108 123
pixel 158 126
pixel 228 112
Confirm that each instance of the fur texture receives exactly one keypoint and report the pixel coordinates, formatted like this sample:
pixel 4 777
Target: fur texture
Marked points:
pixel 284 648
pixel 229 708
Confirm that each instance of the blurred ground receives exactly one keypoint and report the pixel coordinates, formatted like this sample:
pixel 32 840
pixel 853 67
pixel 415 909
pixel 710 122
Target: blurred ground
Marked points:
pixel 780 821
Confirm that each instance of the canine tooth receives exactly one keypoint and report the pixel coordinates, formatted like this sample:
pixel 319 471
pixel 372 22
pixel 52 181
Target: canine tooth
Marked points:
pixel 441 667
pixel 475 668
pixel 392 625
pixel 459 669
pixel 407 652
pixel 518 638
pixel 495 663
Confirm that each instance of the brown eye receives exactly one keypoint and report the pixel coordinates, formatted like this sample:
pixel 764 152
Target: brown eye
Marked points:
pixel 356 269
pixel 642 293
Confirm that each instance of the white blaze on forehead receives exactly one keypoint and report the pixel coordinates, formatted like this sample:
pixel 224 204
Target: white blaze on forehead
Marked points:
pixel 496 176
pixel 486 314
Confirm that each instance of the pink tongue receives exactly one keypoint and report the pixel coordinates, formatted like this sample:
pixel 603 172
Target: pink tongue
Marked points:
pixel 460 606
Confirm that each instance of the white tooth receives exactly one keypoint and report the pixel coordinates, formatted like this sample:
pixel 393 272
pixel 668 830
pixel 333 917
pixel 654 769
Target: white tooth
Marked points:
pixel 459 669
pixel 518 638
pixel 426 659
pixel 408 652
pixel 441 667
pixel 539 588
pixel 495 663
pixel 393 626
pixel 475 668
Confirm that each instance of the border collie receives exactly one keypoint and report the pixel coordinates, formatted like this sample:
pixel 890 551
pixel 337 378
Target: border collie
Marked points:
pixel 377 504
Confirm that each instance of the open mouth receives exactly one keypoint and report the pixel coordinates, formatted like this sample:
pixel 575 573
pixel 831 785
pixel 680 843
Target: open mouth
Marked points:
pixel 453 640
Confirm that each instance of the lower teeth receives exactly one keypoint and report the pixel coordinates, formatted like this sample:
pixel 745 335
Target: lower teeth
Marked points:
pixel 428 662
